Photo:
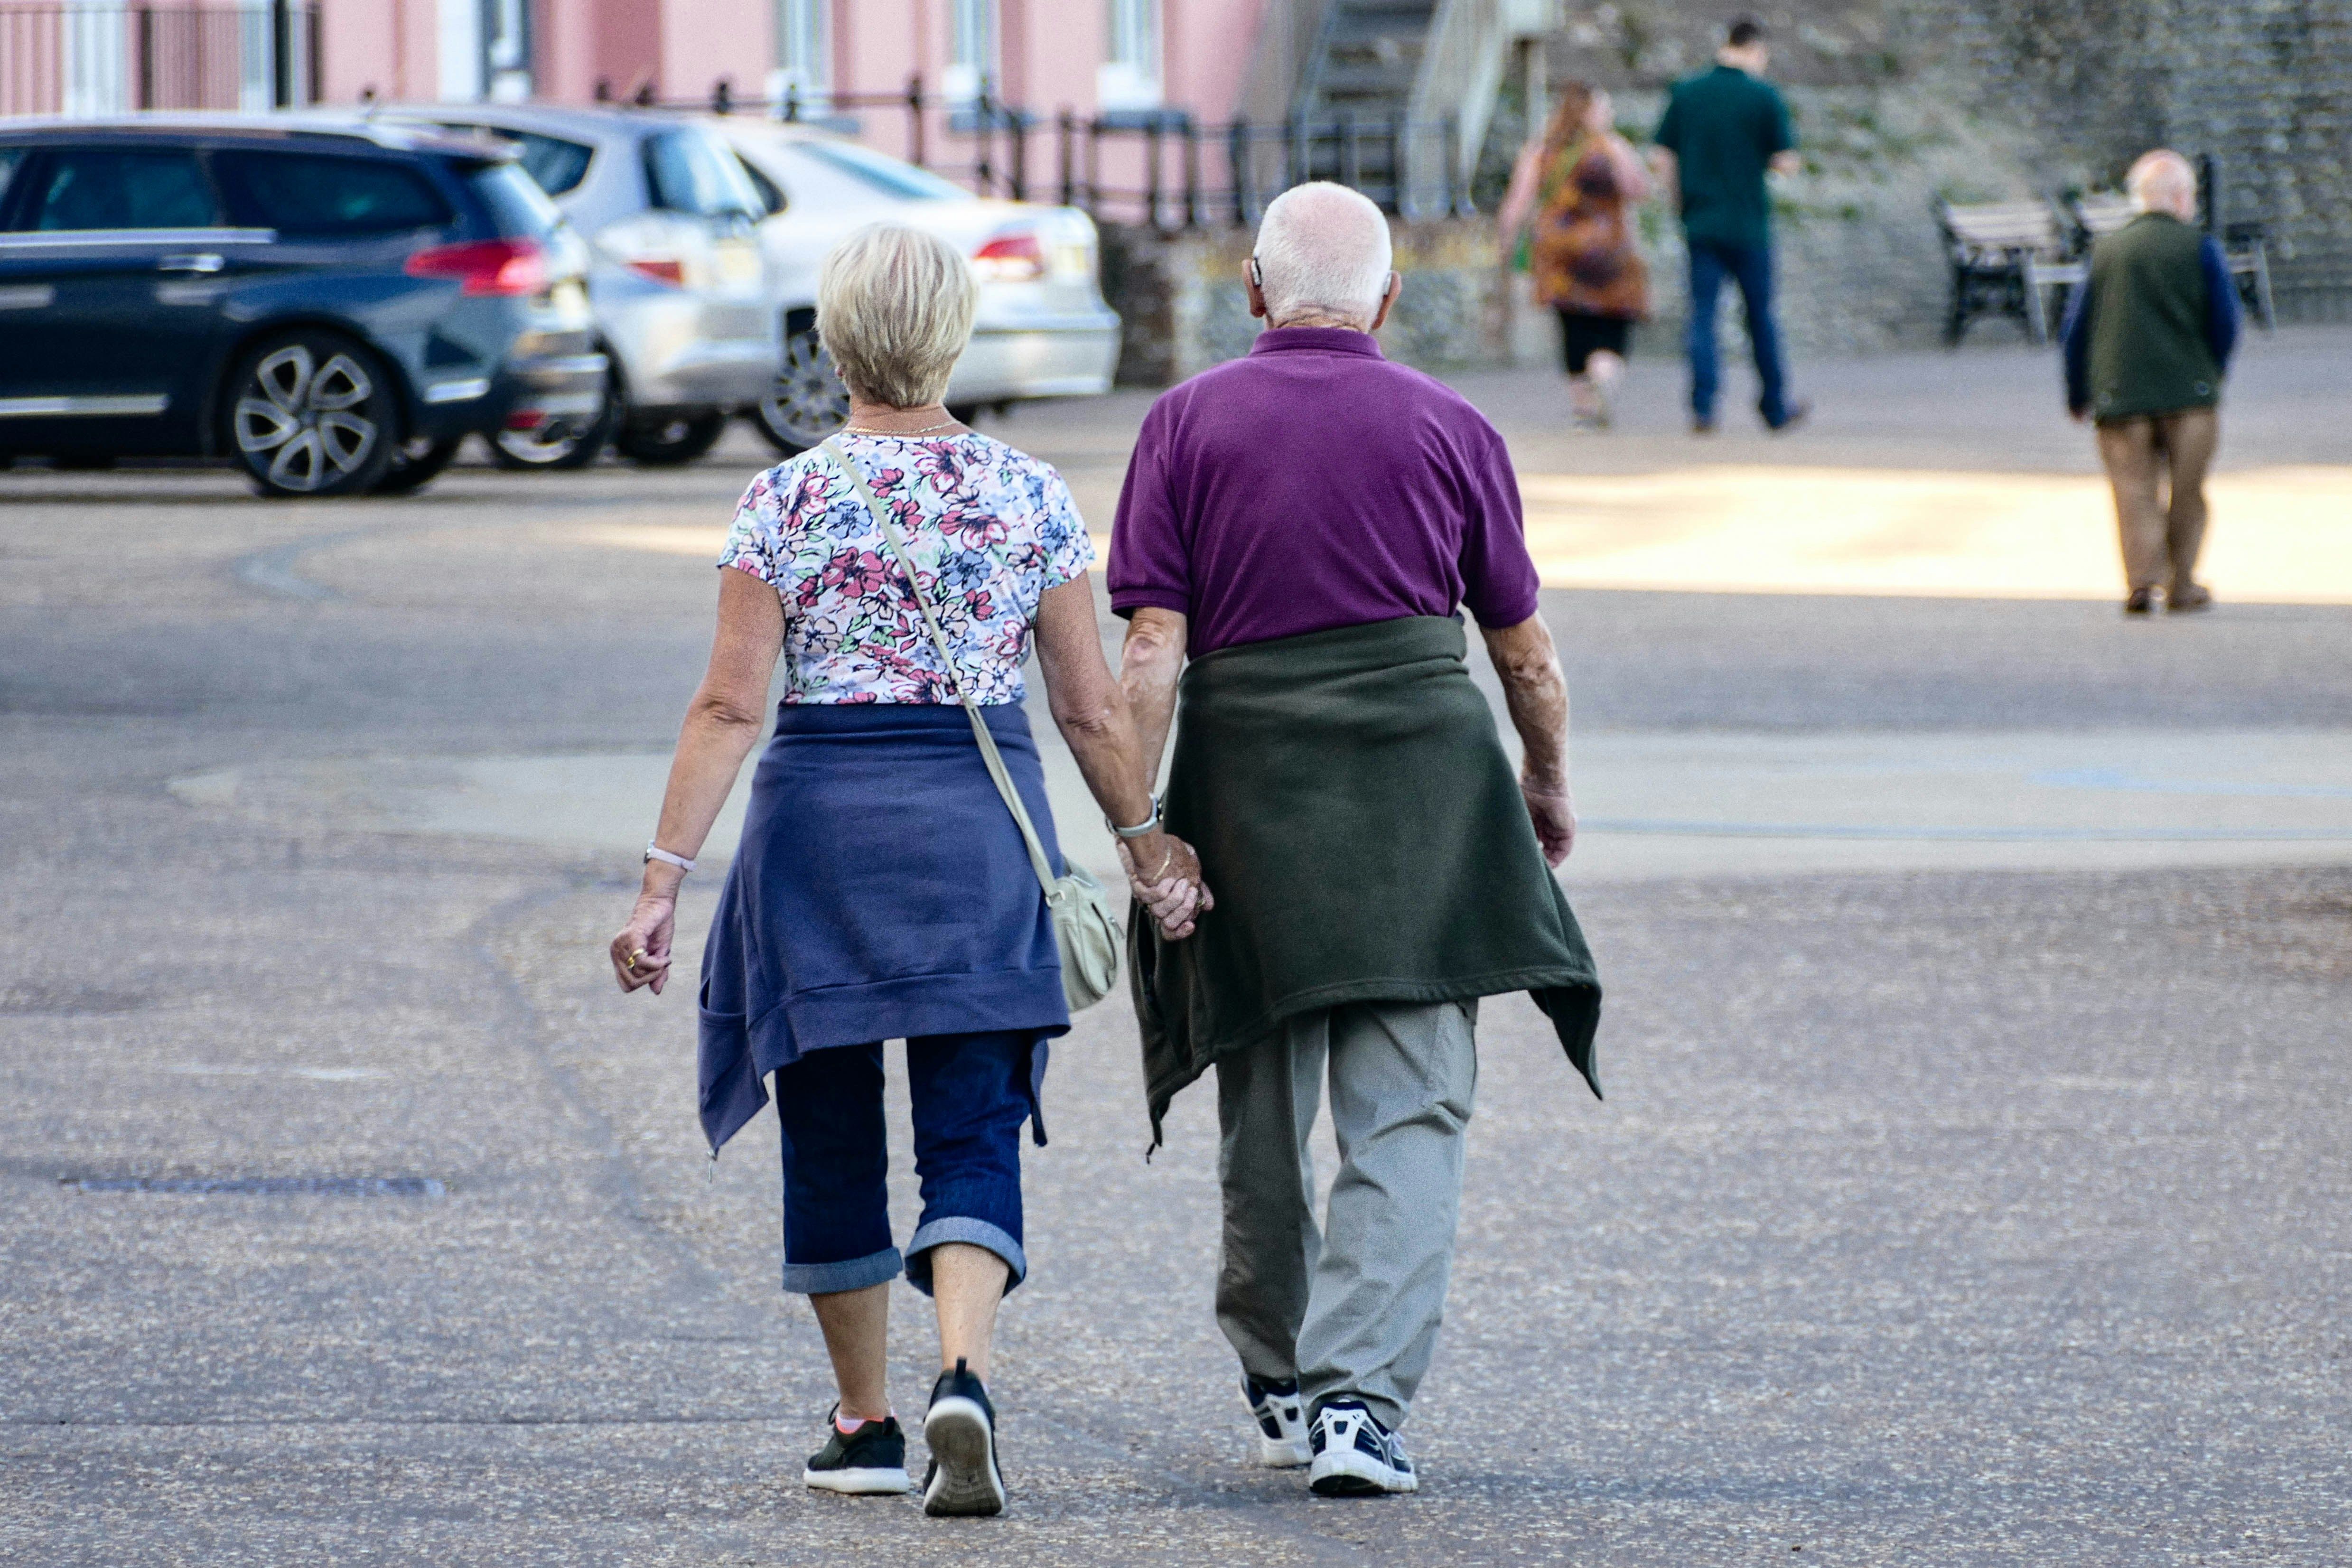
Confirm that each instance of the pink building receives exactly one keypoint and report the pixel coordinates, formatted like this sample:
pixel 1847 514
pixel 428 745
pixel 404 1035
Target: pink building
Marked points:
pixel 1089 56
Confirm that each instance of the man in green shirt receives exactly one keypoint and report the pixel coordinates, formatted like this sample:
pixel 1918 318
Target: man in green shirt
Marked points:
pixel 1723 130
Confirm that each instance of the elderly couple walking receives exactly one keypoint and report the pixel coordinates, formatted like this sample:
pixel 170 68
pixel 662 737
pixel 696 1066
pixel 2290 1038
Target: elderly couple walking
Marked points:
pixel 1343 863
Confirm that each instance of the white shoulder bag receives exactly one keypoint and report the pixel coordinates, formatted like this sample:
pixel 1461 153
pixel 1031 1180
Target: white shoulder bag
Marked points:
pixel 1083 927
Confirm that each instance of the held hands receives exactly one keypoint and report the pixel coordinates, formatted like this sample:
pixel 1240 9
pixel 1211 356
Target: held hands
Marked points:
pixel 1164 875
pixel 640 954
pixel 1552 808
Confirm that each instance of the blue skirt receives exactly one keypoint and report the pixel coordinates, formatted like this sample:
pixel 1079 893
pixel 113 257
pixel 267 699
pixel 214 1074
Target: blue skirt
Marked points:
pixel 881 892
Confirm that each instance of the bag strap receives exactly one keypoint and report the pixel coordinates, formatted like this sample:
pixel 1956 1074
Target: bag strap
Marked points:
pixel 989 754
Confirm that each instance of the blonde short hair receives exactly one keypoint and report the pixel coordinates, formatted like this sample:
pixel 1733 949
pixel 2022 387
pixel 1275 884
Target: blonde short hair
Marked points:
pixel 894 308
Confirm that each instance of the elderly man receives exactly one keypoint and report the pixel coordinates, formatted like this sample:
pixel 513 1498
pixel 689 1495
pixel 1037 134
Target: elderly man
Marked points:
pixel 2148 340
pixel 1306 523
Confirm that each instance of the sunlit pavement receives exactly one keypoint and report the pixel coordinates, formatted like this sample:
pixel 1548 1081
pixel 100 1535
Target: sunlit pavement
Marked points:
pixel 1972 1186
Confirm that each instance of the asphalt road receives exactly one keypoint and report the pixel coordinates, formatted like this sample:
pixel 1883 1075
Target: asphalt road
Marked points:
pixel 1963 1216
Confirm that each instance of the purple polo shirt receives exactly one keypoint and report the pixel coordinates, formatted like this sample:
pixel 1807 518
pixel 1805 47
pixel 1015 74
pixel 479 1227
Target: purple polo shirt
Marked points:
pixel 1314 484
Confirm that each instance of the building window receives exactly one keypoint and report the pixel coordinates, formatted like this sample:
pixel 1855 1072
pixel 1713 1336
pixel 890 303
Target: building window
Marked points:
pixel 971 58
pixel 506 49
pixel 1130 78
pixel 803 56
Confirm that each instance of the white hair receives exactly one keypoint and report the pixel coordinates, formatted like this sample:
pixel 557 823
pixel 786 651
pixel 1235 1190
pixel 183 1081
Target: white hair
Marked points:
pixel 893 308
pixel 2162 181
pixel 1323 249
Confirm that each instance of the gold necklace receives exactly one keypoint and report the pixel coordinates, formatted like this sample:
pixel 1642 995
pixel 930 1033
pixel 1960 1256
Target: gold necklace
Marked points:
pixel 869 430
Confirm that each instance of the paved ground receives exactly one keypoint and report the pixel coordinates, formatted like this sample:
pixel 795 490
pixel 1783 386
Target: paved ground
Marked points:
pixel 1960 1216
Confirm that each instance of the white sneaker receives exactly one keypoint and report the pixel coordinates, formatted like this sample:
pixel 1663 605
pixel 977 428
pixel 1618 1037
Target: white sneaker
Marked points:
pixel 1355 1455
pixel 1281 1423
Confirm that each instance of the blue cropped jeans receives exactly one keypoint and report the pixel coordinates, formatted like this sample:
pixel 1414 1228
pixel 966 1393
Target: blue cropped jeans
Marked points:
pixel 969 1092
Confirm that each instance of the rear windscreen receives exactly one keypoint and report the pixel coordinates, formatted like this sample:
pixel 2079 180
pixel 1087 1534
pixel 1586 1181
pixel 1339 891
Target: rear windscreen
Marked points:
pixel 554 165
pixel 322 194
pixel 688 171
pixel 880 172
pixel 519 207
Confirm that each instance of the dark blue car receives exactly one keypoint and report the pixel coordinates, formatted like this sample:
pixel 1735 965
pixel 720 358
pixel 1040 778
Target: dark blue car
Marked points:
pixel 333 308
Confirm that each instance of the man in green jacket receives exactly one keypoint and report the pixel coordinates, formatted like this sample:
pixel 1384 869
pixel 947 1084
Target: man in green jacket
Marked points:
pixel 2147 341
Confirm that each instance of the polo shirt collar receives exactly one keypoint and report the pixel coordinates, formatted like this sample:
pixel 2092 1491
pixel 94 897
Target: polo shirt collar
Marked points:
pixel 1316 340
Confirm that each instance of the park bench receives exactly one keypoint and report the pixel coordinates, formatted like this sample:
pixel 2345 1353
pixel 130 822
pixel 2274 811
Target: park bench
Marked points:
pixel 2245 246
pixel 2000 252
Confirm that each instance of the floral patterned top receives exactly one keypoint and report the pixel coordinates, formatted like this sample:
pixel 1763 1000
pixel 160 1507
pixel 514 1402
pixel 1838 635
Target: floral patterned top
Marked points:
pixel 991 529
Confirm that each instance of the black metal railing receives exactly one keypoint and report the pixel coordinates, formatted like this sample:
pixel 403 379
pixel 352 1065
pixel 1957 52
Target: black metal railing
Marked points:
pixel 1161 169
pixel 111 58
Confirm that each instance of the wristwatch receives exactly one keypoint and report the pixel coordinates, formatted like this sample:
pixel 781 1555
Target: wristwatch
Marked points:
pixel 1149 824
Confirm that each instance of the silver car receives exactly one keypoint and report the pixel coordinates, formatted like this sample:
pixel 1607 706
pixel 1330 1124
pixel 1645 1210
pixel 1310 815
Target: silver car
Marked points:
pixel 1043 329
pixel 677 279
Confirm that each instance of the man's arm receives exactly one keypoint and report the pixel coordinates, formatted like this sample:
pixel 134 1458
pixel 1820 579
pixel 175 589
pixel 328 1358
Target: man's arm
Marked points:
pixel 1536 693
pixel 1788 162
pixel 1149 663
pixel 2221 314
pixel 2074 350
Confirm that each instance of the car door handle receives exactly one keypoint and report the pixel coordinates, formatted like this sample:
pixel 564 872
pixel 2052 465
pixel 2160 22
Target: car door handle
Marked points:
pixel 202 261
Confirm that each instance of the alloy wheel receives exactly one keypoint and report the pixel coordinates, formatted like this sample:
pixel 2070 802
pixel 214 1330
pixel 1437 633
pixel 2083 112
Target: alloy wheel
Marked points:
pixel 305 421
pixel 807 401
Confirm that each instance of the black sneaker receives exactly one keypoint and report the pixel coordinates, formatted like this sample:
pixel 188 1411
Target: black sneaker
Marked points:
pixel 1281 1423
pixel 1355 1455
pixel 868 1462
pixel 961 1432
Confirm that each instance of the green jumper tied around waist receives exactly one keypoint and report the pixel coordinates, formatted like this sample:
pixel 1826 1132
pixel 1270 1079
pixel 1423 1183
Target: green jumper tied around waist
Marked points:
pixel 1356 814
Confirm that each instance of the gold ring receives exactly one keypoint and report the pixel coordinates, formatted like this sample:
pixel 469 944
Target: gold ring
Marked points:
pixel 635 957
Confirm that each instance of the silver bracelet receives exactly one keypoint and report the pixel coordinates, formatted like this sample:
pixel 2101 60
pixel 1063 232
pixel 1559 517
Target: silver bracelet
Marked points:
pixel 655 852
pixel 1149 826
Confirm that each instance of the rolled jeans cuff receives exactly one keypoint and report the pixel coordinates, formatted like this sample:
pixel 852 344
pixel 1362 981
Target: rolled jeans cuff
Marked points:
pixel 851 1274
pixel 976 1233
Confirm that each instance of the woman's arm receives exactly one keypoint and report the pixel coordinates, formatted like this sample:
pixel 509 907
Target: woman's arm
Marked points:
pixel 1091 711
pixel 1632 179
pixel 1519 201
pixel 722 724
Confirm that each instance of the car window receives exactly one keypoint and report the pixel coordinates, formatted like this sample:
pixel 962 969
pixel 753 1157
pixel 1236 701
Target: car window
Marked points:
pixel 770 192
pixel 323 193
pixel 120 187
pixel 516 205
pixel 554 165
pixel 688 171
pixel 9 158
pixel 881 172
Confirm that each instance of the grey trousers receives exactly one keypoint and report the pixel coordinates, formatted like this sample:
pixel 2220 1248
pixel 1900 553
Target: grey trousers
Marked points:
pixel 1352 1309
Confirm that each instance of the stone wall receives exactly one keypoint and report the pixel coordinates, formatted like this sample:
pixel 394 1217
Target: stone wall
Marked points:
pixel 1185 307
pixel 2264 86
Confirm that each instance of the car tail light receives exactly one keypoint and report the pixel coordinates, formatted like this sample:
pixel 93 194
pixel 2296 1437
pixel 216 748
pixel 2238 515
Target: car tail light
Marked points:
pixel 666 270
pixel 486 265
pixel 1015 257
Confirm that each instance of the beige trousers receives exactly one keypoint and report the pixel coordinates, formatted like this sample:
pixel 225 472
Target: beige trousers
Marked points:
pixel 2161 534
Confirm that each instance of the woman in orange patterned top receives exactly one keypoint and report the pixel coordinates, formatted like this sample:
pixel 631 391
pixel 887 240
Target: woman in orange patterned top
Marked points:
pixel 1571 194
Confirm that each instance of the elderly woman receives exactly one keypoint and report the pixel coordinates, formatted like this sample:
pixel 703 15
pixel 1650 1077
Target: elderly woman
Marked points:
pixel 882 890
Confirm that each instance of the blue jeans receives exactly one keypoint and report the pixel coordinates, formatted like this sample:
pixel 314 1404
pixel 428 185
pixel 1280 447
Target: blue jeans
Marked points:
pixel 969 1092
pixel 1752 271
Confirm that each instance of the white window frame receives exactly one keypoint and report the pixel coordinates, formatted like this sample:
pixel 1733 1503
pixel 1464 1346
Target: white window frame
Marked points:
pixel 803 56
pixel 1130 77
pixel 974 37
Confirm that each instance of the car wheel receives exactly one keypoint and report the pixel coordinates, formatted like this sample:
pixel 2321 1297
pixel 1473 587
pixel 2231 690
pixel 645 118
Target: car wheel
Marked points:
pixel 808 401
pixel 558 444
pixel 415 463
pixel 312 415
pixel 665 440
